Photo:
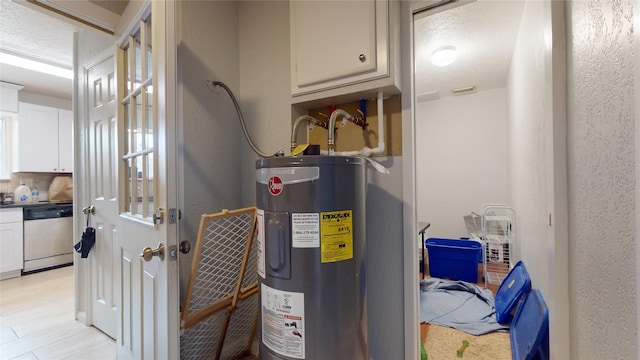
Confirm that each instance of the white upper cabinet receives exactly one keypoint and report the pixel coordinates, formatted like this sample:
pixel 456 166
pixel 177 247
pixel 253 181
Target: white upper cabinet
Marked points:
pixel 65 140
pixel 9 96
pixel 341 47
pixel 44 140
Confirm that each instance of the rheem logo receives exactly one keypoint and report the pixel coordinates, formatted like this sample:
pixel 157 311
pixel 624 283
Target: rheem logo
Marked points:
pixel 275 185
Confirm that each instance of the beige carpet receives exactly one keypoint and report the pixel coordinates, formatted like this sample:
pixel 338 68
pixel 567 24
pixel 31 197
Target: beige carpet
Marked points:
pixel 442 343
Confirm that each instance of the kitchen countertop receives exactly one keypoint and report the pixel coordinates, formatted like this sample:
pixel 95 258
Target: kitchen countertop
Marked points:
pixel 19 205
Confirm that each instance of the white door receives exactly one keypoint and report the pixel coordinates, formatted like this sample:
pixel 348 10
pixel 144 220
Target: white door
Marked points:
pixel 148 326
pixel 101 184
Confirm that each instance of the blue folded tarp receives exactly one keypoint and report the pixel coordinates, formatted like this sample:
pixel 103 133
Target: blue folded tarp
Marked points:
pixel 458 304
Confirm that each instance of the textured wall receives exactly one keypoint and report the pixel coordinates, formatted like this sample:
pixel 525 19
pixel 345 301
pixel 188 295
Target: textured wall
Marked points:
pixel 461 158
pixel 209 157
pixel 529 122
pixel 601 156
pixel 385 246
pixel 264 83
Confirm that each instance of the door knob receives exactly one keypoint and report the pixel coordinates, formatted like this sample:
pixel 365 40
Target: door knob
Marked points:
pixel 185 247
pixel 148 253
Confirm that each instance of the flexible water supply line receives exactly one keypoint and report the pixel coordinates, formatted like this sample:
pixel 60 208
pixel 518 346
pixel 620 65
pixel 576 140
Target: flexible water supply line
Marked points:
pixel 331 129
pixel 242 123
pixel 296 125
pixel 366 151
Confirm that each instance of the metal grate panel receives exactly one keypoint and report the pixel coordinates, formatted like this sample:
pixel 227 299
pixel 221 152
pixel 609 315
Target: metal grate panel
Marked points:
pixel 223 274
pixel 220 259
pixel 241 328
pixel 201 340
pixel 251 274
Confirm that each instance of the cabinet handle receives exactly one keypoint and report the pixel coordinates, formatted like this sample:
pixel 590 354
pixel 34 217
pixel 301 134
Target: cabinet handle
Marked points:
pixel 362 58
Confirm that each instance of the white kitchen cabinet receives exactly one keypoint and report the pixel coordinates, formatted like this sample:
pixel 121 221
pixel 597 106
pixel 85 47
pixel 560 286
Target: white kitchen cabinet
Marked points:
pixel 65 140
pixel 44 140
pixel 341 47
pixel 11 242
pixel 9 96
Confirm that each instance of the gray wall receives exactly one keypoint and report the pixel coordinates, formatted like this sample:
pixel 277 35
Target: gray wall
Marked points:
pixel 602 178
pixel 385 272
pixel 264 83
pixel 209 134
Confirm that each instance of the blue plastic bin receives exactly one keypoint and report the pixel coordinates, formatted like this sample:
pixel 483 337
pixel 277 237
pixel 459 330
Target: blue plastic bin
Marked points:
pixel 530 328
pixel 513 288
pixel 454 259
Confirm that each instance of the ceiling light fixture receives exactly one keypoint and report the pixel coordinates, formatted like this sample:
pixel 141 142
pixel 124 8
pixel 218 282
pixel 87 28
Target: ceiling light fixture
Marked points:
pixel 444 56
pixel 35 65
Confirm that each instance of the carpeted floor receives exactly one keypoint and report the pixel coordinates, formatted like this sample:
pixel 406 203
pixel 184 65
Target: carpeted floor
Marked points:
pixel 442 343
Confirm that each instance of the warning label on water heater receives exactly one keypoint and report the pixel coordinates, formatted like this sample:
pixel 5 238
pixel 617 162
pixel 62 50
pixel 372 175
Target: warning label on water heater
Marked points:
pixel 336 228
pixel 283 321
pixel 260 240
pixel 305 230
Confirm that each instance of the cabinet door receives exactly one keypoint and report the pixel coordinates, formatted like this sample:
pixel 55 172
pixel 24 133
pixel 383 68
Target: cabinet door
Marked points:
pixel 11 247
pixel 65 141
pixel 336 43
pixel 37 146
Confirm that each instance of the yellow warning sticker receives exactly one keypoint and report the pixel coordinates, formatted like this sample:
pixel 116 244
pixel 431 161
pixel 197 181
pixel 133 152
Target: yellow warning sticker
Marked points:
pixel 336 229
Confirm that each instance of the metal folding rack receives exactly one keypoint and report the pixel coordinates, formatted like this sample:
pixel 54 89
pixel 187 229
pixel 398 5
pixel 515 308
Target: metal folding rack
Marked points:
pixel 498 240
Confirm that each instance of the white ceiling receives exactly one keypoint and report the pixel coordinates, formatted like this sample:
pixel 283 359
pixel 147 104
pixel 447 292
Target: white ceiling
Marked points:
pixel 484 34
pixel 39 36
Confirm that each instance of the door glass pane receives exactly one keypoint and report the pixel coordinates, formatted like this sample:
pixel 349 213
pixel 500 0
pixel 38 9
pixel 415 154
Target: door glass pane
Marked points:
pixel 148 48
pixel 127 187
pixel 127 65
pixel 138 62
pixel 139 124
pixel 150 125
pixel 150 187
pixel 128 143
pixel 138 186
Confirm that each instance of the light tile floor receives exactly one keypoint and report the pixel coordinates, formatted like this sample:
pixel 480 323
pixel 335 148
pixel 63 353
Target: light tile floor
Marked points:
pixel 37 320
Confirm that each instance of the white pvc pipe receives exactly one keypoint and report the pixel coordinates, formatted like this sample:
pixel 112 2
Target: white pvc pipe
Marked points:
pixel 380 148
pixel 366 151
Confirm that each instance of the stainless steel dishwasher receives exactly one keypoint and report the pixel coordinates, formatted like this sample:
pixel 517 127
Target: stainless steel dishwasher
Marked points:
pixel 48 235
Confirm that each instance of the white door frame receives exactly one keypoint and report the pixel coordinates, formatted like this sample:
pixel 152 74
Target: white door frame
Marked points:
pixel 82 272
pixel 559 324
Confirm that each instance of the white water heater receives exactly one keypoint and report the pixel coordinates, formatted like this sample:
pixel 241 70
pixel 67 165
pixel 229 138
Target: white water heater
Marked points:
pixel 311 262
